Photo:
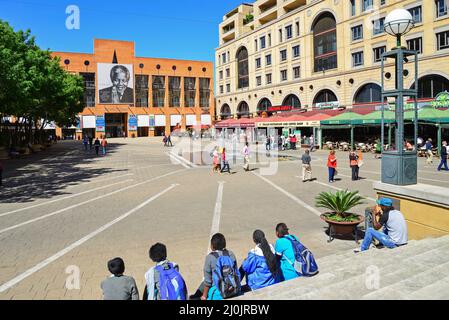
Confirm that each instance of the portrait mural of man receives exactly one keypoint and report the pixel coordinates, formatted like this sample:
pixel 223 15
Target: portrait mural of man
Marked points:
pixel 115 83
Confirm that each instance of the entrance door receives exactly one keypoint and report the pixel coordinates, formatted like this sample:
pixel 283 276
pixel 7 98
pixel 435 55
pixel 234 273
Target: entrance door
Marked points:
pixel 115 124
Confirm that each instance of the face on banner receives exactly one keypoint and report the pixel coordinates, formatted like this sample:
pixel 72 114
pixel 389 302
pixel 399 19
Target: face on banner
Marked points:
pixel 115 83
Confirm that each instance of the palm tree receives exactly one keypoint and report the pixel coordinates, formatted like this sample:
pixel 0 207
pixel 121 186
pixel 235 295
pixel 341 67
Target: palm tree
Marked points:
pixel 340 202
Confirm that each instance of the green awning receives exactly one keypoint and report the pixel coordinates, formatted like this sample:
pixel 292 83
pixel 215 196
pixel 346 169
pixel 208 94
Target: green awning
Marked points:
pixel 376 118
pixel 343 118
pixel 429 115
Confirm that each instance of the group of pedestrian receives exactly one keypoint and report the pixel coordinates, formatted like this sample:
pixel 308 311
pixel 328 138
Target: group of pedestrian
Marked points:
pixel 89 141
pixel 219 160
pixel 264 266
pixel 167 141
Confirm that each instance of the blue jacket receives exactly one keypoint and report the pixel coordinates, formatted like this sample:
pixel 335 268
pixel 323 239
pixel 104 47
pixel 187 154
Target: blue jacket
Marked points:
pixel 258 274
pixel 285 250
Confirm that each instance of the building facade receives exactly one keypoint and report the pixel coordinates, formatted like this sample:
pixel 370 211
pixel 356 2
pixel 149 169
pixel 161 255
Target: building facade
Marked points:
pixel 323 54
pixel 129 96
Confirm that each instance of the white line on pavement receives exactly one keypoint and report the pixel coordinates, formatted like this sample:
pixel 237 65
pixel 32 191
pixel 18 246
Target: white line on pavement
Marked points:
pixel 189 163
pixel 59 254
pixel 64 198
pixel 288 194
pixel 84 202
pixel 217 211
pixel 175 159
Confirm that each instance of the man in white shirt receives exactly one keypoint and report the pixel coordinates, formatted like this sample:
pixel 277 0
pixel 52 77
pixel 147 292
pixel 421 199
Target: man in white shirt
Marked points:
pixel 246 157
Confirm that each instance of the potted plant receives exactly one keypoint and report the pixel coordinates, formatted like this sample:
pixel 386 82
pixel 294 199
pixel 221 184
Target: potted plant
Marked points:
pixel 340 220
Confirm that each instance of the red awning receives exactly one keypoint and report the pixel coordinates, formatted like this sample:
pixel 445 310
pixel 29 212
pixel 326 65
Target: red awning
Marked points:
pixel 236 123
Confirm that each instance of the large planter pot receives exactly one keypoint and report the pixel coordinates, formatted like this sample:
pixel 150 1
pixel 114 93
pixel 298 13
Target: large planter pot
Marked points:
pixel 342 228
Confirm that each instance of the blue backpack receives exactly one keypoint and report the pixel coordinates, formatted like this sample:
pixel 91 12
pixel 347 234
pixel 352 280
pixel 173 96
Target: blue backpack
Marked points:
pixel 304 264
pixel 171 283
pixel 226 277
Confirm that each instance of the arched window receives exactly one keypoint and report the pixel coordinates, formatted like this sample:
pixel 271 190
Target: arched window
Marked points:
pixel 431 85
pixel 263 105
pixel 325 42
pixel 325 95
pixel 225 111
pixel 368 93
pixel 243 110
pixel 292 101
pixel 242 68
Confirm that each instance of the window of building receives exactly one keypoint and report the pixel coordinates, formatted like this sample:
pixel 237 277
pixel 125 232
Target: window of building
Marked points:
pixel 142 90
pixel 416 13
pixel 324 96
pixel 204 93
pixel 228 73
pixel 441 8
pixel 292 101
pixel 262 42
pixel 431 85
pixel 295 50
pixel 443 40
pixel 220 74
pixel 280 35
pixel 289 32
pixel 255 45
pixel 158 86
pixel 263 105
pixel 174 91
pixel 368 93
pixel 378 26
pixel 224 58
pixel 382 2
pixel 221 89
pixel 415 44
pixel 325 42
pixel 259 80
pixel 269 39
pixel 357 32
pixel 283 75
pixel 225 112
pixel 283 55
pixel 228 87
pixel 366 5
pixel 357 59
pixel 297 28
pixel 352 3
pixel 258 63
pixel 242 67
pixel 189 92
pixel 296 72
pixel 89 89
pixel 377 53
pixel 268 59
pixel 243 110
pixel 268 78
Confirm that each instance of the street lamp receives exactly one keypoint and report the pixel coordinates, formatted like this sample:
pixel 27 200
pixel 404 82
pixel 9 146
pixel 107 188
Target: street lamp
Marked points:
pixel 399 166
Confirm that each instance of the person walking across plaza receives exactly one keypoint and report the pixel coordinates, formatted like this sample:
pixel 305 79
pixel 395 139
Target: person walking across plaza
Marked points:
pixel 429 153
pixel 104 144
pixel 97 146
pixel 332 165
pixel 169 144
pixel 268 143
pixel 91 140
pixel 215 160
pixel 225 163
pixel 246 157
pixel 443 155
pixel 354 164
pixel 394 226
pixel 306 167
pixel 85 142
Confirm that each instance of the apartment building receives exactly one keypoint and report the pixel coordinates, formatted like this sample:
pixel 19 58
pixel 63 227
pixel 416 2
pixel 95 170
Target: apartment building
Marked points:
pixel 323 54
pixel 130 96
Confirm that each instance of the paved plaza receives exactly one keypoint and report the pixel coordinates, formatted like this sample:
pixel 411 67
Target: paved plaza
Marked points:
pixel 64 211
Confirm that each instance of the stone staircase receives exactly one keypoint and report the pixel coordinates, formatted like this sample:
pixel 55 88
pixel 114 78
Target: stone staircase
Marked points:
pixel 418 270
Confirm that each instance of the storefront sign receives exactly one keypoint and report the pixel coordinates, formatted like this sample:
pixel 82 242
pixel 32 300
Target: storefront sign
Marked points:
pixel 441 100
pixel 100 124
pixel 132 122
pixel 289 124
pixel 279 108
pixel 328 105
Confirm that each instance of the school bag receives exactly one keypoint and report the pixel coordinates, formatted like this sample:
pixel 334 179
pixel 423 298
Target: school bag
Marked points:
pixel 172 285
pixel 304 264
pixel 226 277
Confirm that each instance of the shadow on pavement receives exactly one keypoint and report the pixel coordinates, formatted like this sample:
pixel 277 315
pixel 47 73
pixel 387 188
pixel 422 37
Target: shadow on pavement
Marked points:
pixel 48 173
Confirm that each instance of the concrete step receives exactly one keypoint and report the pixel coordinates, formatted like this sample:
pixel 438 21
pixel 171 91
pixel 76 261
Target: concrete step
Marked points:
pixel 436 291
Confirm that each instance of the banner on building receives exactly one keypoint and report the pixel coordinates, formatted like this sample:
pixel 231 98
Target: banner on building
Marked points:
pixel 100 124
pixel 132 122
pixel 115 83
pixel 152 122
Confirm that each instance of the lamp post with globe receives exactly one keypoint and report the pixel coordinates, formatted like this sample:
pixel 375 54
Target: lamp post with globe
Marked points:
pixel 399 166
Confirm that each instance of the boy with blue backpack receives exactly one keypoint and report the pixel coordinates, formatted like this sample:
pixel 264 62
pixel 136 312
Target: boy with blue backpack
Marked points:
pixel 221 275
pixel 296 259
pixel 163 281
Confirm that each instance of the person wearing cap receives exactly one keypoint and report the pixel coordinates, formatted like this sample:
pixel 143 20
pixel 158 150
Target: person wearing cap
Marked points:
pixel 394 226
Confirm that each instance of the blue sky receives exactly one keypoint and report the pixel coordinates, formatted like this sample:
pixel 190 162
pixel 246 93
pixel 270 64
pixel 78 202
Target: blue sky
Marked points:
pixel 166 29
